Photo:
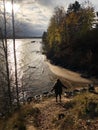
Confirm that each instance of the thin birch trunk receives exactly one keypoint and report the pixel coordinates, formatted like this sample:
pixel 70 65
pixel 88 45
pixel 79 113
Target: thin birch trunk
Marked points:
pixel 15 58
pixel 6 55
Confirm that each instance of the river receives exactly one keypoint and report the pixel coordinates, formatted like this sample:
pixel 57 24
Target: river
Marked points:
pixel 34 75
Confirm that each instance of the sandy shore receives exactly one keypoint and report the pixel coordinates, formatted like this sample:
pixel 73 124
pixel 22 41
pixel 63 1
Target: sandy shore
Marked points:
pixel 67 74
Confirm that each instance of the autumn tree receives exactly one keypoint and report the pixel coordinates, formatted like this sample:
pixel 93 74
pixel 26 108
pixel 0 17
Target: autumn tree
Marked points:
pixel 55 32
pixel 55 25
pixel 65 29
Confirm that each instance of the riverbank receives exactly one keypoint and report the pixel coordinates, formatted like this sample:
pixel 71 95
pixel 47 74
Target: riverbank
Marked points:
pixel 70 78
pixel 67 74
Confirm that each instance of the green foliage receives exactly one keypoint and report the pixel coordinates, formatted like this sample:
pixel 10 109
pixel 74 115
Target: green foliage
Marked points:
pixel 86 106
pixel 74 7
pixel 44 37
pixel 87 47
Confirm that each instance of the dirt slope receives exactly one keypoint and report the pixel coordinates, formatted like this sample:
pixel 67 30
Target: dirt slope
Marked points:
pixel 49 112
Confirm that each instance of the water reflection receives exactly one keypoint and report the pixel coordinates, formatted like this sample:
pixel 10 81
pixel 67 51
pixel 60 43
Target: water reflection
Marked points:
pixel 33 72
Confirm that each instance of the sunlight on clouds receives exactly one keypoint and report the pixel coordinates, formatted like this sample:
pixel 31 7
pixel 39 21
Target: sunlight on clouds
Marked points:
pixel 35 13
pixel 8 7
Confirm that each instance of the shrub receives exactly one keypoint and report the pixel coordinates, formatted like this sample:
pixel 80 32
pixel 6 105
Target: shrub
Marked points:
pixel 69 105
pixel 67 123
pixel 92 109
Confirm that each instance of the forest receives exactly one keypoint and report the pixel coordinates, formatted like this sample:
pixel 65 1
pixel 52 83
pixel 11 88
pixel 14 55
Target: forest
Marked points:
pixel 71 38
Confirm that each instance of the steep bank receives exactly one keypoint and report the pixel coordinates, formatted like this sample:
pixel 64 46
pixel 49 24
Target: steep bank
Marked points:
pixel 49 111
pixel 77 113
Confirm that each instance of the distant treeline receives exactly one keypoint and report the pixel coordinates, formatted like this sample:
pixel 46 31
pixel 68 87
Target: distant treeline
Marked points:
pixel 71 39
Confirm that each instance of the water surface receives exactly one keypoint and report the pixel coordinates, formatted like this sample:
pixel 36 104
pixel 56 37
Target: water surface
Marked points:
pixel 33 72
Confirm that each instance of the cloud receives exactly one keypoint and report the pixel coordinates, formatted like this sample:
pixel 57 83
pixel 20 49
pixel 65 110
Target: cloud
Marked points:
pixel 29 29
pixel 95 3
pixel 45 2
pixel 34 17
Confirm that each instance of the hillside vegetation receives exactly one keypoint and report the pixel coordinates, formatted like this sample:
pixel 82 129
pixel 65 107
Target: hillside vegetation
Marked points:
pixel 78 113
pixel 71 38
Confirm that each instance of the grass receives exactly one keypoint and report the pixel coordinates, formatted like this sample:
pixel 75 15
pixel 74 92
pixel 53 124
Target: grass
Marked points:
pixel 20 118
pixel 81 113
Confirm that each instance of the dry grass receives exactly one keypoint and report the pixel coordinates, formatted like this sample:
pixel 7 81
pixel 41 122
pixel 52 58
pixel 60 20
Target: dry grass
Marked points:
pixel 20 119
pixel 81 113
pixel 78 114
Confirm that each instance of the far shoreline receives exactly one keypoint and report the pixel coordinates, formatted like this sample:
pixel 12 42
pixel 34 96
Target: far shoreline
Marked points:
pixel 24 38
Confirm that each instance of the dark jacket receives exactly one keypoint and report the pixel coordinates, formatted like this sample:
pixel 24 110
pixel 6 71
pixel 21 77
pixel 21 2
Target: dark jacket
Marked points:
pixel 58 87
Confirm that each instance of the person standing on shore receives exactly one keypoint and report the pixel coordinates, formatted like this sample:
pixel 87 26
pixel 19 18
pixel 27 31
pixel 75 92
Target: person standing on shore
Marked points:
pixel 58 89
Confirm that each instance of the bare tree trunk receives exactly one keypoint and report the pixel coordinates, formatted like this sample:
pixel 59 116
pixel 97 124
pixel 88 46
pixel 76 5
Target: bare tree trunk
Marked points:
pixel 22 87
pixel 15 58
pixel 6 55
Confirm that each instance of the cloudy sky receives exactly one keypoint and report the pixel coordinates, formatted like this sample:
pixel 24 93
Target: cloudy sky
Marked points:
pixel 33 15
